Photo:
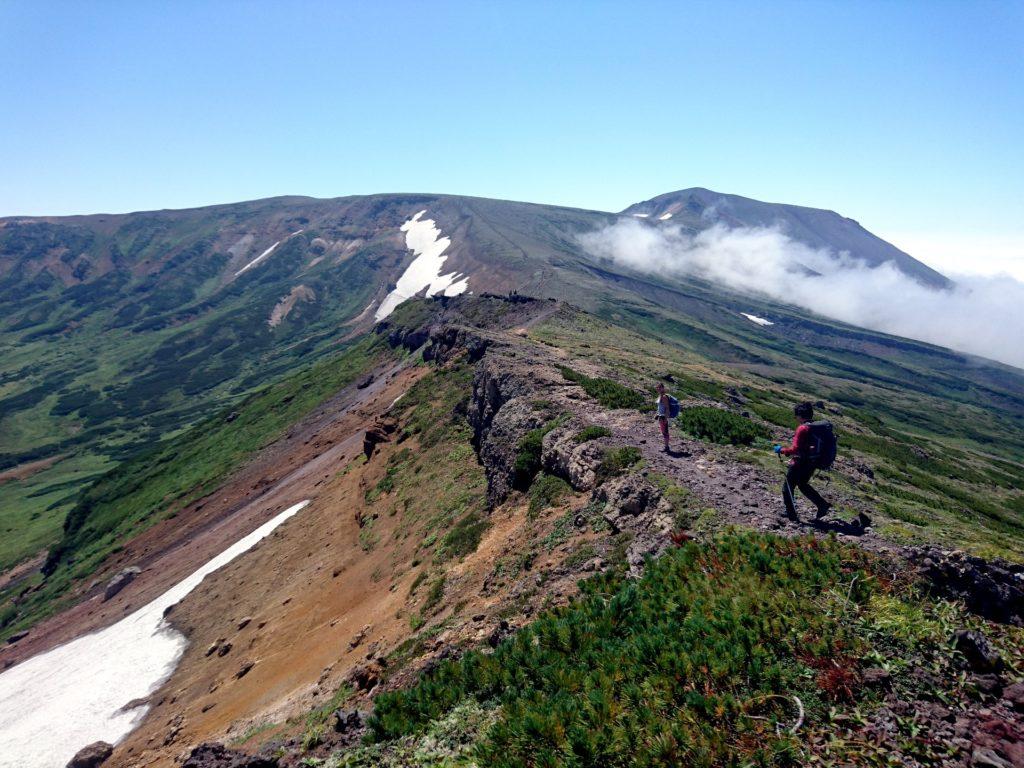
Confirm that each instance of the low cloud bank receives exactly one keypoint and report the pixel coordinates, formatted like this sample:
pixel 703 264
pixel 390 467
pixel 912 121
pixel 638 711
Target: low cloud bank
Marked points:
pixel 981 315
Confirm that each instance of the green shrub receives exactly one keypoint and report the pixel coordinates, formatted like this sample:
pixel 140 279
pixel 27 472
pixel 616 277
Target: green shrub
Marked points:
pixel 661 671
pixel 545 492
pixel 463 538
pixel 434 594
pixel 592 433
pixel 609 393
pixel 616 461
pixel 719 426
pixel 527 461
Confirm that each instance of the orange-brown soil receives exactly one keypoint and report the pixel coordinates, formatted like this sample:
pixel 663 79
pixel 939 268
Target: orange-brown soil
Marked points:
pixel 29 468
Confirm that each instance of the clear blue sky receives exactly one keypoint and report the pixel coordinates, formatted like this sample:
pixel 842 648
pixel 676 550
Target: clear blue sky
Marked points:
pixel 906 116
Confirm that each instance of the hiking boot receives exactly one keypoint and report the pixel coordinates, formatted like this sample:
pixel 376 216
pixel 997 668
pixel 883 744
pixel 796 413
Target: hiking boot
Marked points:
pixel 823 510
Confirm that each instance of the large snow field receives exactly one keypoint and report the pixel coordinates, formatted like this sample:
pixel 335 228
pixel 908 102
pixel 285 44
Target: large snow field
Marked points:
pixel 423 238
pixel 55 703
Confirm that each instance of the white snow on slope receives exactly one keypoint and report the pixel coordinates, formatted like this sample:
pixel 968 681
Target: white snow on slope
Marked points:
pixel 641 215
pixel 258 259
pixel 424 239
pixel 756 319
pixel 55 703
pixel 665 217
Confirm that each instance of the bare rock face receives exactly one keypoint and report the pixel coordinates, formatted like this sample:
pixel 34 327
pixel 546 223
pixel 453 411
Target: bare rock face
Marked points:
pixel 91 756
pixel 501 413
pixel 633 504
pixel 120 581
pixel 574 462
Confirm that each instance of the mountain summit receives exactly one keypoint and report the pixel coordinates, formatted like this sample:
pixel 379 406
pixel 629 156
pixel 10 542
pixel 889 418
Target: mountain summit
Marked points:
pixel 700 208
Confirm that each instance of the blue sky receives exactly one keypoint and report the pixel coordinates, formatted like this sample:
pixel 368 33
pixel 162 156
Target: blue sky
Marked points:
pixel 908 117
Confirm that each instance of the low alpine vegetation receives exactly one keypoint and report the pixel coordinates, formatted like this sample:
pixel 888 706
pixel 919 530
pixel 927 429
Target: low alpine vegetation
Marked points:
pixel 607 392
pixel 618 460
pixel 719 426
pixel 592 432
pixel 546 492
pixel 527 462
pixel 694 664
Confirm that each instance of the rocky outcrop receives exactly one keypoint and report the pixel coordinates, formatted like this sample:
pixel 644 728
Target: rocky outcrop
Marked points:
pixel 632 503
pixel 574 462
pixel 120 581
pixel 501 412
pixel 209 755
pixel 91 756
pixel 990 588
pixel 379 432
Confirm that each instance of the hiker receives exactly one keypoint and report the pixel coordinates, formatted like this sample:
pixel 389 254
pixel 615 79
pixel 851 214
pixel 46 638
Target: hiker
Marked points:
pixel 813 448
pixel 668 408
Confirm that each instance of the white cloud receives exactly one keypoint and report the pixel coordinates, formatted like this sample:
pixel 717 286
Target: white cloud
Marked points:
pixel 982 315
pixel 958 253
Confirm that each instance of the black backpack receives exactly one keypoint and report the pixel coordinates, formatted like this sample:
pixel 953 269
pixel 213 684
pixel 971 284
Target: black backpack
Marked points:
pixel 823 445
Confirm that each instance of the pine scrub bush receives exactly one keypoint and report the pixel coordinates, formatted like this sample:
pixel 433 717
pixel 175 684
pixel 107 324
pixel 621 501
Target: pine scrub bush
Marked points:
pixel 693 664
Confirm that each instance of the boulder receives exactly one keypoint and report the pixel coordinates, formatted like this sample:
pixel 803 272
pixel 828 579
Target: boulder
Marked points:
pixel 379 432
pixel 577 463
pixel 211 755
pixel 120 581
pixel 91 756
pixel 1014 694
pixel 348 720
pixel 633 504
pixel 981 656
pixel 876 677
pixel 364 676
pixel 17 636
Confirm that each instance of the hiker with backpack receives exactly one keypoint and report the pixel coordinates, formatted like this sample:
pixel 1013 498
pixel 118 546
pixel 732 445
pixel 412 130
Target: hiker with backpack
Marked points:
pixel 668 408
pixel 813 448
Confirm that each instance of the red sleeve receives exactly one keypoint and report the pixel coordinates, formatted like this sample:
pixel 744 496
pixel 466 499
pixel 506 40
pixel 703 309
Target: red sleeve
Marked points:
pixel 799 437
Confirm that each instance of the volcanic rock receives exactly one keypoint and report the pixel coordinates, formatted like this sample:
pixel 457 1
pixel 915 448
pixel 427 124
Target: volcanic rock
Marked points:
pixel 91 756
pixel 120 581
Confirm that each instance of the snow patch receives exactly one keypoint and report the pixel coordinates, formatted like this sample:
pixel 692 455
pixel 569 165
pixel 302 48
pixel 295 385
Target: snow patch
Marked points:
pixel 258 259
pixel 756 319
pixel 56 702
pixel 665 217
pixel 423 238
pixel 641 215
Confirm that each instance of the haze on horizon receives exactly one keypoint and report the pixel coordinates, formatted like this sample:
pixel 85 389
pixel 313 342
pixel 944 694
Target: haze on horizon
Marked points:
pixel 906 117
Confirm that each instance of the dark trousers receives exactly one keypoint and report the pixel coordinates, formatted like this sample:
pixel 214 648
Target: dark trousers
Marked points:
pixel 799 476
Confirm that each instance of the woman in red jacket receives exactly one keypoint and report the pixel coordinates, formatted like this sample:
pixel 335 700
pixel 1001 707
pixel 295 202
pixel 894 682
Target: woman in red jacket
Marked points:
pixel 800 468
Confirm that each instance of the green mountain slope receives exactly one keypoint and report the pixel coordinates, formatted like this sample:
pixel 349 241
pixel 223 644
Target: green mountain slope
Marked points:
pixel 121 330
